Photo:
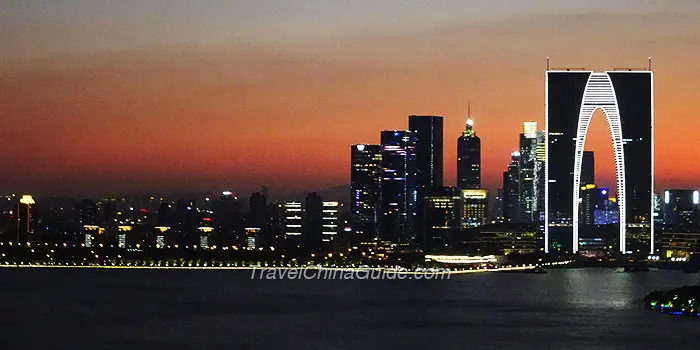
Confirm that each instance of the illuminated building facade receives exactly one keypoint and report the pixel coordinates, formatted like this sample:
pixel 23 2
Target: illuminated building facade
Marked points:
pixel 509 238
pixel 365 188
pixel 682 208
pixel 626 99
pixel 427 131
pixel 442 213
pixel 527 182
pixel 292 220
pixel 398 186
pixel 252 237
pixel 541 157
pixel 592 199
pixel 330 224
pixel 469 158
pixel 474 207
pixel 511 190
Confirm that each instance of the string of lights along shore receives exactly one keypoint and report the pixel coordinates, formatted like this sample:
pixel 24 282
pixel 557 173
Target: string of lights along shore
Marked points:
pixel 549 201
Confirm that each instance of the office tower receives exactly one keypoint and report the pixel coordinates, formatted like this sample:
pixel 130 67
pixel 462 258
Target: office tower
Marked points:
pixel 428 134
pixel 527 195
pixel 292 225
pixel 312 226
pixel 496 214
pixel 7 218
pixel 658 209
pixel 540 175
pixel 511 189
pixel 469 158
pixel 608 214
pixel 442 217
pixel 682 208
pixel 86 212
pixel 257 210
pixel 365 188
pixel 592 199
pixel 226 216
pixel 398 189
pixel 588 168
pixel 475 205
pixel 626 98
pixel 252 237
pixel 330 223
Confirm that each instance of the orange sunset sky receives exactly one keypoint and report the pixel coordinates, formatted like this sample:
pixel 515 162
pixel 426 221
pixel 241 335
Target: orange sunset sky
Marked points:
pixel 98 97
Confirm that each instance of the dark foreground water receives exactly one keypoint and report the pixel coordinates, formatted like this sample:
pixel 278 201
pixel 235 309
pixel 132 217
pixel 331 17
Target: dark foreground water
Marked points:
pixel 147 309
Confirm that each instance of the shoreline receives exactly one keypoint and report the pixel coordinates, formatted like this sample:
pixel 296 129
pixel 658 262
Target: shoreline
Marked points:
pixel 258 268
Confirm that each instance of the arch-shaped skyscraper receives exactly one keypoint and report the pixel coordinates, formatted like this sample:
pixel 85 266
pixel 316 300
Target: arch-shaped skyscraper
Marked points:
pixel 626 98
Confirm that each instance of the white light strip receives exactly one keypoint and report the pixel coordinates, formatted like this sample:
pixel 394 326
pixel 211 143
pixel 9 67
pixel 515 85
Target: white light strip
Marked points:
pixel 546 162
pixel 651 213
pixel 600 93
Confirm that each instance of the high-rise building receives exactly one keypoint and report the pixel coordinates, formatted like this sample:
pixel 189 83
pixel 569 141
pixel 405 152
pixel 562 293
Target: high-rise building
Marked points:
pixel 442 213
pixel 626 98
pixel 398 186
pixel 330 225
pixel 588 168
pixel 592 199
pixel 527 185
pixel 511 187
pixel 427 131
pixel 312 226
pixel 540 175
pixel 227 219
pixel 428 134
pixel 469 158
pixel 475 207
pixel 292 227
pixel 682 208
pixel 365 188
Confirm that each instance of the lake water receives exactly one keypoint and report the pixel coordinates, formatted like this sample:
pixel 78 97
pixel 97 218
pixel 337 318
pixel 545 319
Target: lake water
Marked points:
pixel 170 309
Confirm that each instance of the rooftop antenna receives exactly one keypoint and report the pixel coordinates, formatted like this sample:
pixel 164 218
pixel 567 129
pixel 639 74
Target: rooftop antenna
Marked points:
pixel 650 63
pixel 469 109
pixel 548 63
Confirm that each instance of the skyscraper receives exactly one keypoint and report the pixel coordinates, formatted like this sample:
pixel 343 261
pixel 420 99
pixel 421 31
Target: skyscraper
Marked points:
pixel 365 188
pixel 588 168
pixel 469 158
pixel 682 208
pixel 626 98
pixel 312 227
pixel 330 221
pixel 527 195
pixel 427 131
pixel 540 177
pixel 442 218
pixel 292 221
pixel 398 186
pixel 474 207
pixel 511 190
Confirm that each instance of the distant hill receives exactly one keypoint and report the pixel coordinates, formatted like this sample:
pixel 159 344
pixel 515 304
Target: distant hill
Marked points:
pixel 339 193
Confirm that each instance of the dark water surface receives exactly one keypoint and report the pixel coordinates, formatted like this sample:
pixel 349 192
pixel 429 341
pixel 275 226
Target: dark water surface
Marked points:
pixel 168 309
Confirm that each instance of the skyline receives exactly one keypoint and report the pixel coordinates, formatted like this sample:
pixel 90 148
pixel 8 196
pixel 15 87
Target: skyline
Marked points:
pixel 199 101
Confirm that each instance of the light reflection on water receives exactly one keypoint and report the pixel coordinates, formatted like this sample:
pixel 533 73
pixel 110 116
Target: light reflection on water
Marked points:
pixel 568 309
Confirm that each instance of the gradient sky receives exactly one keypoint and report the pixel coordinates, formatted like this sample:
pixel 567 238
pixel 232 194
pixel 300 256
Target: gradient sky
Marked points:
pixel 100 96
